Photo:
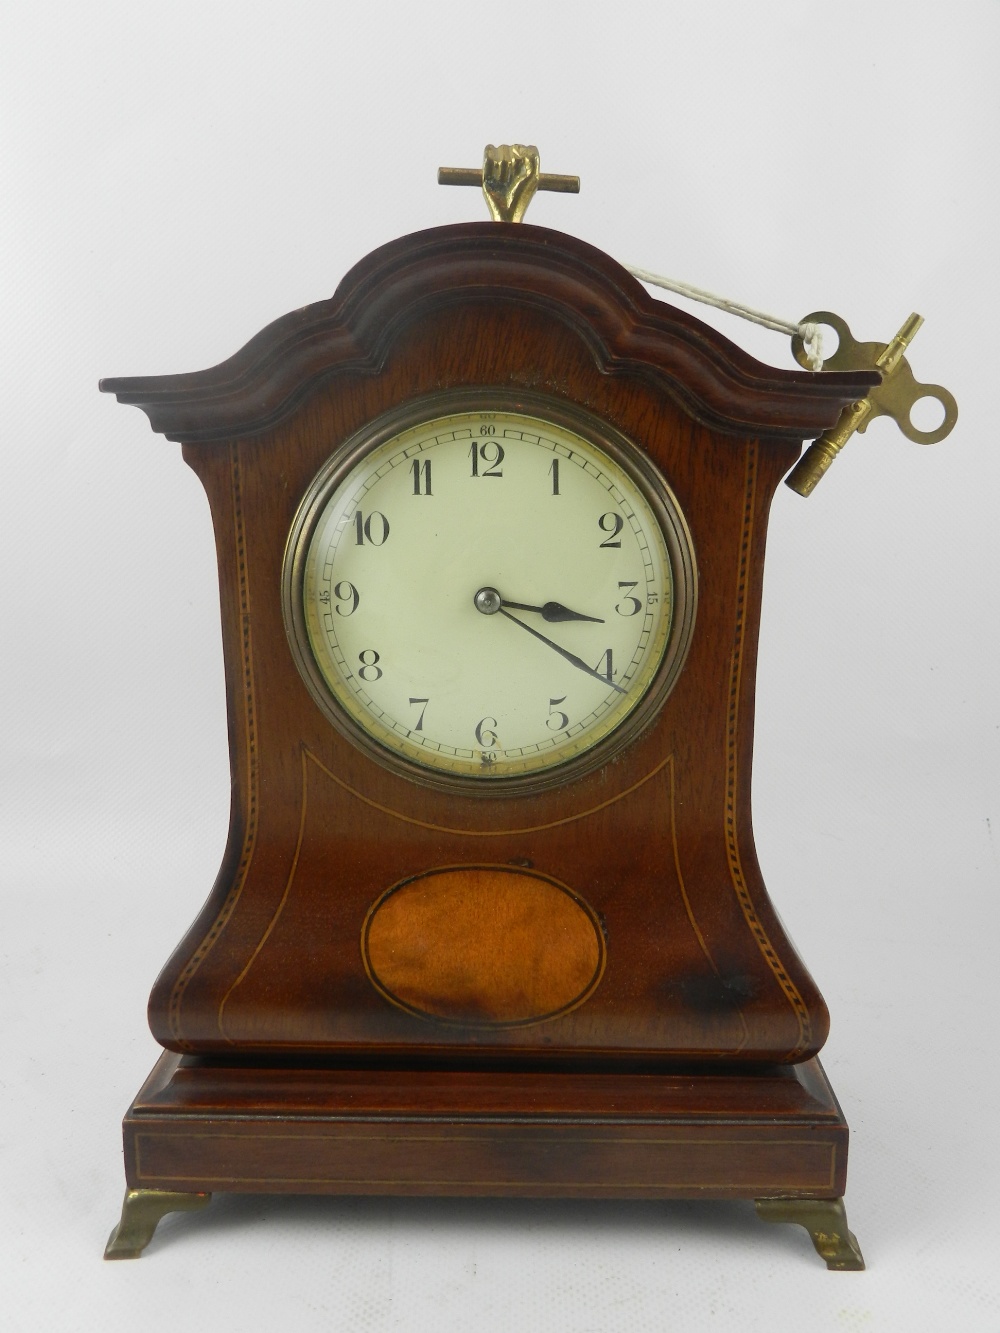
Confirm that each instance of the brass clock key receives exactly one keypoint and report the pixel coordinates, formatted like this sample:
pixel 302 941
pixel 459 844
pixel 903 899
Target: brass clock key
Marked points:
pixel 894 397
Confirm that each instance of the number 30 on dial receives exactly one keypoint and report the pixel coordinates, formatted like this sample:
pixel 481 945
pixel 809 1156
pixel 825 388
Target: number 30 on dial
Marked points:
pixel 489 595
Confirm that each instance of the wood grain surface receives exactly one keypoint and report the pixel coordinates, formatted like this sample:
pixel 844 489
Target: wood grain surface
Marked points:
pixel 486 945
pixel 728 1134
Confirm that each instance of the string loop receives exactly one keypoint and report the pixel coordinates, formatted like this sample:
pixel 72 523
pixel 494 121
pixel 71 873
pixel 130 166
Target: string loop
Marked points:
pixel 811 334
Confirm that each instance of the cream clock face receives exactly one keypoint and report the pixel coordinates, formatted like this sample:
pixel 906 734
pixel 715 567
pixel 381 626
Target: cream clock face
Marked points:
pixel 489 595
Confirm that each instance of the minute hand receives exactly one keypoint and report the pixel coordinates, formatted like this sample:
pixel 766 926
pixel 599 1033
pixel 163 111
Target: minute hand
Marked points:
pixel 563 652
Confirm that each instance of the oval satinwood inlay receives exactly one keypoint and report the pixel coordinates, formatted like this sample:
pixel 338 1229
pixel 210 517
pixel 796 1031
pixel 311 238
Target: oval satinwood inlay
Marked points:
pixel 483 946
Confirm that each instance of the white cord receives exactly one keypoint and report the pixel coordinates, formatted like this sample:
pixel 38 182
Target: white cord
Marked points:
pixel 811 334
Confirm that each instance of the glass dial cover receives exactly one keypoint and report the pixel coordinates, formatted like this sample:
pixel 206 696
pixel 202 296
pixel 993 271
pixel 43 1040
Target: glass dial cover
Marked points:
pixel 495 594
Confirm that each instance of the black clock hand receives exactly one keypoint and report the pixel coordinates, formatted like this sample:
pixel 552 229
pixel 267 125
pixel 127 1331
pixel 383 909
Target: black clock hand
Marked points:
pixel 553 611
pixel 570 657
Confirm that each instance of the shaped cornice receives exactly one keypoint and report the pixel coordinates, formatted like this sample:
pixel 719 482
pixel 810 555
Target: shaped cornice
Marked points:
pixel 627 330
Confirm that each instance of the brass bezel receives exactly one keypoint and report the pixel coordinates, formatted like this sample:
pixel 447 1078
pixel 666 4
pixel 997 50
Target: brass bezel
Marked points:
pixel 600 434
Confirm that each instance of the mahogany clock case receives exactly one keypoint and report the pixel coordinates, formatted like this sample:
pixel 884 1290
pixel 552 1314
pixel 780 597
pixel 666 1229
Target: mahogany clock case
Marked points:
pixel 636 884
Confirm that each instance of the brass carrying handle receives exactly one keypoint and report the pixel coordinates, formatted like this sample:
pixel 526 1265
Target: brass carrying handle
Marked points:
pixel 894 397
pixel 509 177
pixel 547 180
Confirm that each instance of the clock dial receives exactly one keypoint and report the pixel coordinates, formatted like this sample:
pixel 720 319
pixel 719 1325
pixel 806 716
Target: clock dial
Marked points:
pixel 490 593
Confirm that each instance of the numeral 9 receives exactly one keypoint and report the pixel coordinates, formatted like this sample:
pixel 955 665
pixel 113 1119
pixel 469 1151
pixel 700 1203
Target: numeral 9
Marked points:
pixel 347 596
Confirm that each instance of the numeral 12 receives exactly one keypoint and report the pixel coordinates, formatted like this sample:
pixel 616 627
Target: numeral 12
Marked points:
pixel 489 453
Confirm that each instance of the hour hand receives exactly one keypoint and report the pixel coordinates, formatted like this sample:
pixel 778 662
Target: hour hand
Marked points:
pixel 552 611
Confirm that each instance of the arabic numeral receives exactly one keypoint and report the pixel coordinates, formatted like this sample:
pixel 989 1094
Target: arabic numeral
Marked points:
pixel 347 597
pixel 421 476
pixel 605 665
pixel 420 719
pixel 485 735
pixel 612 524
pixel 369 669
pixel 628 606
pixel 490 454
pixel 373 529
pixel 557 720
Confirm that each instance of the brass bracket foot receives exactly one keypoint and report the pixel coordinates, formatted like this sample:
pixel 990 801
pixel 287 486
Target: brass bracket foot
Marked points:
pixel 141 1212
pixel 826 1222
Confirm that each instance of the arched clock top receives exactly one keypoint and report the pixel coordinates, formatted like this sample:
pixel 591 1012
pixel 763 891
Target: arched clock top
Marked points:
pixel 627 331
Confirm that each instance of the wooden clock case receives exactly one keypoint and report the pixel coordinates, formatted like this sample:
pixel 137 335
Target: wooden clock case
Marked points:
pixel 683 1063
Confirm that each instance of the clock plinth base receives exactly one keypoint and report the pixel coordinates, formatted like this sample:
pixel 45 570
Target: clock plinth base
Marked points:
pixel 773 1134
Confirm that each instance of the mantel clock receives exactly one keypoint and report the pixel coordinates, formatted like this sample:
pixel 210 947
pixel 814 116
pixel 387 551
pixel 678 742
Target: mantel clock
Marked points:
pixel 490 527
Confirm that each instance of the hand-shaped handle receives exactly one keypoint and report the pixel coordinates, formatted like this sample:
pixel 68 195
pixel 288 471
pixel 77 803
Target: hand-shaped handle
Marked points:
pixel 509 176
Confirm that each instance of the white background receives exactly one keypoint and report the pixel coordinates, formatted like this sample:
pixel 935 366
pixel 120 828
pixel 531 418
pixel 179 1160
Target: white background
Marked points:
pixel 175 176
